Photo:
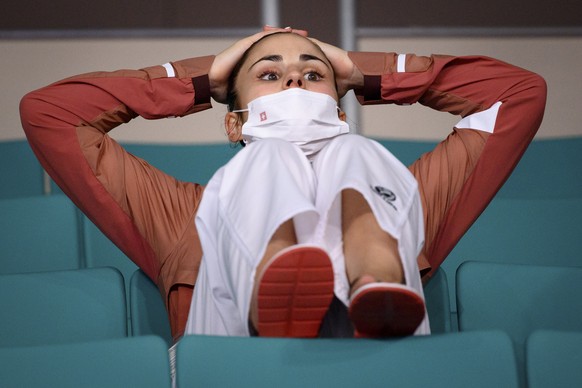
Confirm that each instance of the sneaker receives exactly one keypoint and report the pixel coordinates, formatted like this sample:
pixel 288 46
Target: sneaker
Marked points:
pixel 381 310
pixel 293 293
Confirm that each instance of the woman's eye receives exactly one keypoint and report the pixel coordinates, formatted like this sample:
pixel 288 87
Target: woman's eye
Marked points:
pixel 312 76
pixel 269 76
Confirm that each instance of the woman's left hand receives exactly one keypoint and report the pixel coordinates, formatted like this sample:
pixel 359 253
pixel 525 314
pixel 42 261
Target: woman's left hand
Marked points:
pixel 347 75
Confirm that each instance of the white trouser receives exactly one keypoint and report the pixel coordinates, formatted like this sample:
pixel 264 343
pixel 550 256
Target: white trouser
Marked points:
pixel 269 182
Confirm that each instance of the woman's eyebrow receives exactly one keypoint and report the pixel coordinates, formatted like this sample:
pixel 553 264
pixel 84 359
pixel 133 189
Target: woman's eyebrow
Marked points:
pixel 273 57
pixel 309 57
pixel 279 58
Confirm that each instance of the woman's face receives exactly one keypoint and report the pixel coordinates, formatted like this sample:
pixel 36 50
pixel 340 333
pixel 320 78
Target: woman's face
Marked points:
pixel 284 61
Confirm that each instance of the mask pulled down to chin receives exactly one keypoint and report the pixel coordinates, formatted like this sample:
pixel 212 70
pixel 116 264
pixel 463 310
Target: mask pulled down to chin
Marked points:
pixel 307 119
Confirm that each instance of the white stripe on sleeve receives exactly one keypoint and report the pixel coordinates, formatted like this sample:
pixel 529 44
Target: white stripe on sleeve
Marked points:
pixel 401 64
pixel 169 70
pixel 483 121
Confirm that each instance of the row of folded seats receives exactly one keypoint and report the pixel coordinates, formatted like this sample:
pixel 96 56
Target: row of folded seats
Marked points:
pixel 520 325
pixel 468 359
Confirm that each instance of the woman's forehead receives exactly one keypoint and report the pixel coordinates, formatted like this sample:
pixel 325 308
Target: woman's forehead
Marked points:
pixel 285 45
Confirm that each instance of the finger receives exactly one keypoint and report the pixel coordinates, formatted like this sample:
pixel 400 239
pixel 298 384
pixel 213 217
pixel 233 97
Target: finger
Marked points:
pixel 300 32
pixel 268 28
pixel 274 28
pixel 297 31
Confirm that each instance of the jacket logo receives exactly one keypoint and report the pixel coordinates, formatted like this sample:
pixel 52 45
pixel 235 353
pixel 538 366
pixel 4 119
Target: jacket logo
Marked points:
pixel 387 195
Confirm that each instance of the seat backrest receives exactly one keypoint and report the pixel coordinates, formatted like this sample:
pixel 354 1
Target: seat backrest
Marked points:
pixel 62 307
pixel 525 231
pixel 38 234
pixel 521 231
pixel 147 310
pixel 22 175
pixel 554 359
pixel 436 293
pixel 518 299
pixel 99 251
pixel 178 159
pixel 120 363
pixel 477 359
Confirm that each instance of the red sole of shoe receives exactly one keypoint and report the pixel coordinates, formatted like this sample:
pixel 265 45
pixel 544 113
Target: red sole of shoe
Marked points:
pixel 384 311
pixel 294 293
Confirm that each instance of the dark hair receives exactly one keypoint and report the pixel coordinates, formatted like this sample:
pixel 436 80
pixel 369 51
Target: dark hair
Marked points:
pixel 231 93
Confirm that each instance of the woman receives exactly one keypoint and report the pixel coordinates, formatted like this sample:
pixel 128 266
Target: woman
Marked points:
pixel 149 215
pixel 270 189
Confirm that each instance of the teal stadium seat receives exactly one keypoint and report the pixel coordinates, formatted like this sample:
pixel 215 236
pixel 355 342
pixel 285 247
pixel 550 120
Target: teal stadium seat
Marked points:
pixel 524 231
pixel 477 359
pixel 519 299
pixel 547 170
pixel 38 234
pixel 436 293
pixel 190 163
pixel 148 312
pixel 62 307
pixel 20 172
pixel 554 359
pixel 120 363
pixel 521 231
pixel 99 251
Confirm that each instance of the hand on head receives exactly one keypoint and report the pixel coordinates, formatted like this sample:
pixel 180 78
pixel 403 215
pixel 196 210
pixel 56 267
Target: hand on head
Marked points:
pixel 347 75
pixel 225 62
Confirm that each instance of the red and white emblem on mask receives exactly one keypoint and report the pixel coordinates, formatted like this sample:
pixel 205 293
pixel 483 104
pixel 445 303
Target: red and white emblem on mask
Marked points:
pixel 263 116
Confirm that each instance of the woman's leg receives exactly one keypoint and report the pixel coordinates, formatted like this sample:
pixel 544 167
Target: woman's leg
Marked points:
pixel 360 228
pixel 374 198
pixel 259 203
pixel 283 237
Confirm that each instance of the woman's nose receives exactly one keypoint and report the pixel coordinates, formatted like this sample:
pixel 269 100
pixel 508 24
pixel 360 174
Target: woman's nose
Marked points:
pixel 294 81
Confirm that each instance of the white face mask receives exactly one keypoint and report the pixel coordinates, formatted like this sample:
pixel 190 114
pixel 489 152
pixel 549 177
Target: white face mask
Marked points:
pixel 307 119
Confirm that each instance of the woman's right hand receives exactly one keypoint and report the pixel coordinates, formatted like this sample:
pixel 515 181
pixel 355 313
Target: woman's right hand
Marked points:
pixel 225 62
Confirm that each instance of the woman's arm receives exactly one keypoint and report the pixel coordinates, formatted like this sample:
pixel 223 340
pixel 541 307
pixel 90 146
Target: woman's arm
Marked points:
pixel 501 107
pixel 141 209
